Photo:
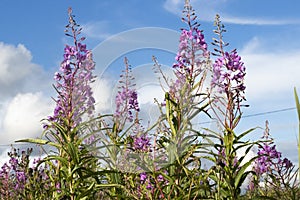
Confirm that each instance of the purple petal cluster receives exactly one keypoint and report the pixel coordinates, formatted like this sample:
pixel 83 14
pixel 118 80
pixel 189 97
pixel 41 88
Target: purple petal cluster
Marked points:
pixel 270 157
pixel 192 45
pixel 150 183
pixel 267 155
pixel 20 180
pixel 192 48
pixel 145 180
pixel 14 174
pixel 141 143
pixel 75 96
pixel 5 173
pixel 287 163
pixel 126 101
pixel 229 73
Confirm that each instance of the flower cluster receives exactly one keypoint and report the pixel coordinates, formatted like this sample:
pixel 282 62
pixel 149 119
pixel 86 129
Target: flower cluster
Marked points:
pixel 192 45
pixel 229 73
pixel 13 174
pixel 141 143
pixel 75 96
pixel 145 180
pixel 270 157
pixel 127 98
pixel 149 183
pixel 190 42
pixel 267 155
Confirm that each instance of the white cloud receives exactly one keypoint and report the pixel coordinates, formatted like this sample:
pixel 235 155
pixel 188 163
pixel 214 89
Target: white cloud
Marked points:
pixel 102 93
pixel 255 21
pixel 22 105
pixel 96 30
pixel 4 158
pixel 17 72
pixel 270 74
pixel 23 115
pixel 206 11
pixel 173 6
pixel 14 63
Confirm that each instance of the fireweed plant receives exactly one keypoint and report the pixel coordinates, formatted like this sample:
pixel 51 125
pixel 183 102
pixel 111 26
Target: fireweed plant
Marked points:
pixel 71 165
pixel 115 156
pixel 227 97
pixel 185 99
pixel 275 177
pixel 117 134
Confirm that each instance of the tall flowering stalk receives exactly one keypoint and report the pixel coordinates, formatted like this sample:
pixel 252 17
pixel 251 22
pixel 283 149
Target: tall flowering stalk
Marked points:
pixel 228 79
pixel 115 134
pixel 227 96
pixel 185 100
pixel 75 96
pixel 73 164
pixel 274 175
pixel 126 99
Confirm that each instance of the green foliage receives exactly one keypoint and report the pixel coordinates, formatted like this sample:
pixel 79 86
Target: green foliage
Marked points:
pixel 114 157
pixel 298 111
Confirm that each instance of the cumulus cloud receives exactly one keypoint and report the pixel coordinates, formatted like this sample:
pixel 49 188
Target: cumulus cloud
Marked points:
pixel 23 115
pixel 269 72
pixel 23 104
pixel 3 155
pixel 12 61
pixel 17 72
pixel 102 90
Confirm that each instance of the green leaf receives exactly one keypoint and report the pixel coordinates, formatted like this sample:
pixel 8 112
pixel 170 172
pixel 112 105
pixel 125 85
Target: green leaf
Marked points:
pixel 298 110
pixel 239 177
pixel 73 152
pixel 297 103
pixel 169 112
pixel 240 136
pixel 39 141
pixel 85 194
pixel 63 160
pixel 236 121
pixel 108 185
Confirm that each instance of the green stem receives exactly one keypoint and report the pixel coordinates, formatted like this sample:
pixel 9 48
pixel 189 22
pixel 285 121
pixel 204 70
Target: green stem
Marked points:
pixel 298 110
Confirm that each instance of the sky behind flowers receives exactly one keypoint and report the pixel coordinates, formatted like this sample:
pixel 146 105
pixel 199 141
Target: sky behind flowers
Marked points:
pixel 32 39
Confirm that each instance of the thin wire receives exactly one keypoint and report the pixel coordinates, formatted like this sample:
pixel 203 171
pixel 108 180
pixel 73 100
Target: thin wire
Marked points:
pixel 269 112
pixel 256 114
pixel 246 116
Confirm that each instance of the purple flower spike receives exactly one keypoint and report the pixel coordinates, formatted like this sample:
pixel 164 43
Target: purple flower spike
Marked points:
pixel 141 143
pixel 192 46
pixel 75 96
pixel 229 72
pixel 270 157
pixel 127 98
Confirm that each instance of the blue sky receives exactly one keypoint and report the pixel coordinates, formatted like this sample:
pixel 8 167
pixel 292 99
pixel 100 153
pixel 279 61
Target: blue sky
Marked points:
pixel 266 34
